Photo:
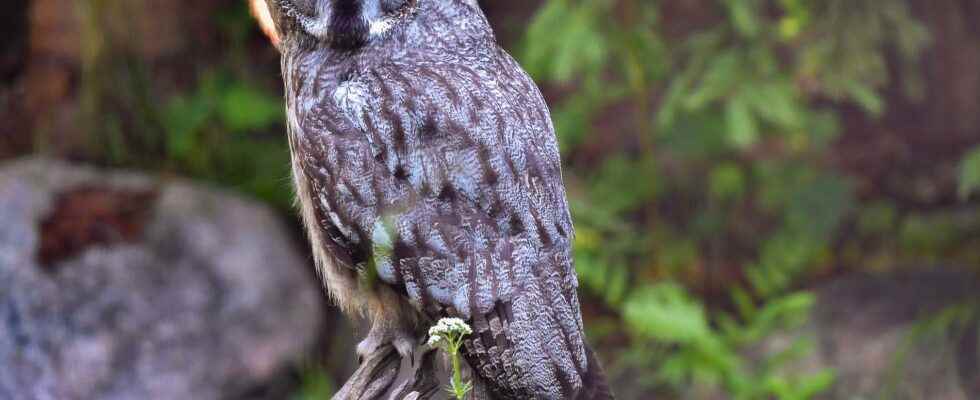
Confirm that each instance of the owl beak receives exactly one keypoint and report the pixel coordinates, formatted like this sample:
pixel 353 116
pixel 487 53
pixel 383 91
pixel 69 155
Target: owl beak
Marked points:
pixel 260 10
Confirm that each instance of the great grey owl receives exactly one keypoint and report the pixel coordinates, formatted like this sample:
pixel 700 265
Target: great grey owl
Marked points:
pixel 428 175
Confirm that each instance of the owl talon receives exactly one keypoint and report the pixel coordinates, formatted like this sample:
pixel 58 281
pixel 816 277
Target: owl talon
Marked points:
pixel 405 345
pixel 401 340
pixel 368 346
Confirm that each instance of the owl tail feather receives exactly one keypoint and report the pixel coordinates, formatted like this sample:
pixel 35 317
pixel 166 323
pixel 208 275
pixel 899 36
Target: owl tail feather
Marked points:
pixel 596 387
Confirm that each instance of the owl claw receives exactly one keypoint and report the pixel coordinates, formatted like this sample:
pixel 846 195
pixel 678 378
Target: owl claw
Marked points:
pixel 405 345
pixel 403 342
pixel 367 347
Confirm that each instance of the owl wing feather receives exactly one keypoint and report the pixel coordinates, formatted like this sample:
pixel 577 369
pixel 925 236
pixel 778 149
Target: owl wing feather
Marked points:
pixel 444 178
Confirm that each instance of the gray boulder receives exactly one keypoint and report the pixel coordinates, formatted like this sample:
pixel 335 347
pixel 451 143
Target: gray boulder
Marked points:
pixel 907 336
pixel 118 286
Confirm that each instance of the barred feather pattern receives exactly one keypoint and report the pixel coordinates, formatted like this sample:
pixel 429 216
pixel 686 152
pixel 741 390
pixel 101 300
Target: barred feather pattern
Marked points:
pixel 428 160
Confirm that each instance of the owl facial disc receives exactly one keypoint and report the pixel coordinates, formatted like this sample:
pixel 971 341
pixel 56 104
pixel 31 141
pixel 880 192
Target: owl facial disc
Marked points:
pixel 348 24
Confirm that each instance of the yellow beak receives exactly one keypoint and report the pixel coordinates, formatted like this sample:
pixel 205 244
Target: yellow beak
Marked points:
pixel 261 12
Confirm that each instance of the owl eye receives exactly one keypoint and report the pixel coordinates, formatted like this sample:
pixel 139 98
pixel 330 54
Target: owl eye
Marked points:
pixel 393 6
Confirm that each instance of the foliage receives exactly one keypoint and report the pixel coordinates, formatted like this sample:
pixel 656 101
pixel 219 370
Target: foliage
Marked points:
pixel 719 181
pixel 970 173
pixel 225 129
pixel 219 132
pixel 315 385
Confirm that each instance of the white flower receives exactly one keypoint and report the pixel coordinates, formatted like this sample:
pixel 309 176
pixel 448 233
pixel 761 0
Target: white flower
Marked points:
pixel 448 329
pixel 451 331
pixel 434 340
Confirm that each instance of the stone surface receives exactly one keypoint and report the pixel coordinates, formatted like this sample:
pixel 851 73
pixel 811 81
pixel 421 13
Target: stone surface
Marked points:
pixel 117 286
pixel 886 338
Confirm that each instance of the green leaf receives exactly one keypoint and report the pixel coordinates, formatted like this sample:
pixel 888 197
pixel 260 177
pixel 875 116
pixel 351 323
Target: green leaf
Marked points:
pixel 743 130
pixel 727 181
pixel 783 312
pixel 540 39
pixel 789 28
pixel 719 79
pixel 564 40
pixel 315 384
pixel 743 303
pixel 743 16
pixel 665 312
pixel 815 384
pixel 970 173
pixel 877 218
pixel 618 173
pixel 244 108
pixel 775 103
pixel 822 126
pixel 183 117
pixel 866 97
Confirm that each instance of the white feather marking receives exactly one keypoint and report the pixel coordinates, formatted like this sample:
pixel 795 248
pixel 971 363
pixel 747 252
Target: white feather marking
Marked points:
pixel 380 236
pixel 380 26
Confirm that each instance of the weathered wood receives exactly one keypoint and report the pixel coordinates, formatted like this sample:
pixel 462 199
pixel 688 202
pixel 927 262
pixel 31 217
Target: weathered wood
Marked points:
pixel 384 375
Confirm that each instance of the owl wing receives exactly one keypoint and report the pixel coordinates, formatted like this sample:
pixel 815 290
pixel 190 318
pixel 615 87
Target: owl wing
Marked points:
pixel 445 181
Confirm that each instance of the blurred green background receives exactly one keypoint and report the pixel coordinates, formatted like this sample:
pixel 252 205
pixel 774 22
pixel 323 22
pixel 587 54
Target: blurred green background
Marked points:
pixel 723 158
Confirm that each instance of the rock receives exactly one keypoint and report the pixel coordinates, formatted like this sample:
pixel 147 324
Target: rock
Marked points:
pixel 885 336
pixel 117 286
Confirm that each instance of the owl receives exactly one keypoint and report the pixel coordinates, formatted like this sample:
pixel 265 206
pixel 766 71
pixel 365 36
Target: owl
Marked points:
pixel 428 177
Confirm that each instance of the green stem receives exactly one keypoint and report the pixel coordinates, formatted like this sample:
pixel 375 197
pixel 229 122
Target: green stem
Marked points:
pixel 457 378
pixel 457 383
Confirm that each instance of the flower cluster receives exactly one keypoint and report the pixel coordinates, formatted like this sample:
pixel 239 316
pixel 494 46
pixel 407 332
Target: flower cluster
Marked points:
pixel 448 328
pixel 449 333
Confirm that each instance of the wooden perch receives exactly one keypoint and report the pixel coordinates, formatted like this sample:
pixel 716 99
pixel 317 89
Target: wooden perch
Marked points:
pixel 384 375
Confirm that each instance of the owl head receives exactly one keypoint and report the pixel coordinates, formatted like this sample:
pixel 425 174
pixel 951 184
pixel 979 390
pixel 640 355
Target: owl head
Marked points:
pixel 343 24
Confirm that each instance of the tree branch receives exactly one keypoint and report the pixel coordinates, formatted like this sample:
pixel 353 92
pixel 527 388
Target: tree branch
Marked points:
pixel 384 375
